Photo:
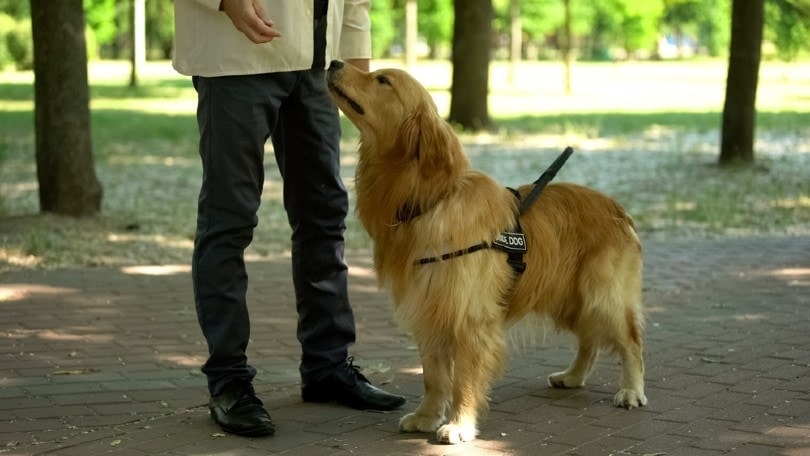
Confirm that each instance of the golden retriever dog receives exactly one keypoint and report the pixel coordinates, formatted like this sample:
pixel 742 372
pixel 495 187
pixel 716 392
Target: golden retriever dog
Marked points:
pixel 423 205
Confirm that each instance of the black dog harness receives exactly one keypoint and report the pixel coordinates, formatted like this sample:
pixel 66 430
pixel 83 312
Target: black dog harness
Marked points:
pixel 512 242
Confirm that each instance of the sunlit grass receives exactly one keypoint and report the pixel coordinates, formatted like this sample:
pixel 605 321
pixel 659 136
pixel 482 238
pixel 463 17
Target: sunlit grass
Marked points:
pixel 646 133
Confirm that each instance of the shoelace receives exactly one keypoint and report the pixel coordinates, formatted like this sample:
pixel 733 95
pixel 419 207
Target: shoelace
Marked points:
pixel 245 392
pixel 355 370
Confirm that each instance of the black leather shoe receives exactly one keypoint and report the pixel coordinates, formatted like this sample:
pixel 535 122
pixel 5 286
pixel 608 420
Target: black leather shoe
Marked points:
pixel 238 411
pixel 347 386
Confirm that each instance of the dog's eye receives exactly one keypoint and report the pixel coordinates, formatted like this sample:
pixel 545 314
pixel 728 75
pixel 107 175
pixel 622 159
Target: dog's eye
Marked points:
pixel 383 80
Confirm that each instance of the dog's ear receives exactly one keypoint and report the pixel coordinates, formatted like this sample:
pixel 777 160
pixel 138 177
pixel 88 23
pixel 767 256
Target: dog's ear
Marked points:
pixel 432 142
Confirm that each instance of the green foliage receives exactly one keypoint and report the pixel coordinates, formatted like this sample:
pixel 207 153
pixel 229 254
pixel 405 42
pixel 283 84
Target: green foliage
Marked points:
pixel 640 20
pixel 655 160
pixel 100 16
pixel 37 243
pixel 788 26
pixel 706 21
pixel 630 25
pixel 599 28
pixel 18 9
pixel 435 24
pixel 435 19
pixel 91 43
pixel 6 24
pixel 160 28
pixel 543 19
pixel 20 45
pixel 383 29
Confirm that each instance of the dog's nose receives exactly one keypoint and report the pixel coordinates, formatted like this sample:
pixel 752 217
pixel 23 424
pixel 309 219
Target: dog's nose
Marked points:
pixel 336 65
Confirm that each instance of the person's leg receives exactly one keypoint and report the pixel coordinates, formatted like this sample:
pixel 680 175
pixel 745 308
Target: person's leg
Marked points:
pixel 235 119
pixel 236 115
pixel 307 148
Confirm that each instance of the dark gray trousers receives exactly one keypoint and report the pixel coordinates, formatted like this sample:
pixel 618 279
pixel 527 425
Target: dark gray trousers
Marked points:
pixel 236 116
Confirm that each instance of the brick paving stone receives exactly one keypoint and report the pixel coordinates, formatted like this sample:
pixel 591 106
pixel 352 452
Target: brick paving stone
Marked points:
pixel 725 440
pixel 724 399
pixel 796 407
pixel 694 451
pixel 762 423
pixel 739 412
pixel 607 445
pixel 687 413
pixel 735 375
pixel 39 413
pixel 580 435
pixel 753 449
pixel 106 360
pixel 546 448
pixel 623 419
pixel 699 389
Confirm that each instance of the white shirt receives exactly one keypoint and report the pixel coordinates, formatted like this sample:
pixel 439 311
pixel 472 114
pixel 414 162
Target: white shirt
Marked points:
pixel 208 44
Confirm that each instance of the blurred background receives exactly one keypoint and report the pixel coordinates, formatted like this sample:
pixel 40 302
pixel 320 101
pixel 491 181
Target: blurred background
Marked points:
pixel 642 89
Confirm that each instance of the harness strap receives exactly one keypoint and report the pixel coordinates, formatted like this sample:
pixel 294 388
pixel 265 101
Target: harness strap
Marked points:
pixel 514 257
pixel 544 179
pixel 513 243
pixel 457 253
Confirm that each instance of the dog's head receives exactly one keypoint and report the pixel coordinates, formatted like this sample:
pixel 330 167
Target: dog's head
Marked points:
pixel 396 116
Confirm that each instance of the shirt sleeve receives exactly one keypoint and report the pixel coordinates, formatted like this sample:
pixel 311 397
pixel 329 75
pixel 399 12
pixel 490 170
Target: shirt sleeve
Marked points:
pixel 355 40
pixel 210 4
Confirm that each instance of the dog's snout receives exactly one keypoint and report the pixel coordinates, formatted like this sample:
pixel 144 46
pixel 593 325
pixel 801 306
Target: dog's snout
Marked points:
pixel 335 65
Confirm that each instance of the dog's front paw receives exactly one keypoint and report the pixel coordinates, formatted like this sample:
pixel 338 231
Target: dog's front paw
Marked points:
pixel 420 423
pixel 565 380
pixel 629 398
pixel 456 433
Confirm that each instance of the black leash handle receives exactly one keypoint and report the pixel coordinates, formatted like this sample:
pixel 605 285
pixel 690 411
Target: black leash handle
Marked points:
pixel 544 179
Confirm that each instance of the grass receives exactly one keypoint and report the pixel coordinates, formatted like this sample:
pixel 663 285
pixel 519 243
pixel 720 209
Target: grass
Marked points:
pixel 646 133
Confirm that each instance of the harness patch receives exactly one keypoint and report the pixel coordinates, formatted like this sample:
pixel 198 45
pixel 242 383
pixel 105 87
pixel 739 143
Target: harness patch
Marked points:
pixel 511 242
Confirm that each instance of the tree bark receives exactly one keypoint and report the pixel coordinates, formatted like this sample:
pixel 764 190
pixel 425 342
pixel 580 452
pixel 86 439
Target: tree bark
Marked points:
pixel 65 169
pixel 472 34
pixel 138 32
pixel 567 46
pixel 739 110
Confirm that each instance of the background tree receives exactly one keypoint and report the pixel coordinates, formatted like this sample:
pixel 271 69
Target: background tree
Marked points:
pixel 160 29
pixel 65 169
pixel 698 22
pixel 384 19
pixel 629 25
pixel 104 27
pixel 472 41
pixel 436 25
pixel 739 110
pixel 788 26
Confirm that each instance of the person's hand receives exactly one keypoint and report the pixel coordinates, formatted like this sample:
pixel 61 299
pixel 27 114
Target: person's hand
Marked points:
pixel 249 17
pixel 363 64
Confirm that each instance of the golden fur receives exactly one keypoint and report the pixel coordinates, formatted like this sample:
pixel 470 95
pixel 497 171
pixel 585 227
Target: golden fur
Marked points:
pixel 418 197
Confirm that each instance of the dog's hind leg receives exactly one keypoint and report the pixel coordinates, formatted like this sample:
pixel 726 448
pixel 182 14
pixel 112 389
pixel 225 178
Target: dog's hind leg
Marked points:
pixel 437 366
pixel 628 326
pixel 480 358
pixel 613 319
pixel 577 372
pixel 628 345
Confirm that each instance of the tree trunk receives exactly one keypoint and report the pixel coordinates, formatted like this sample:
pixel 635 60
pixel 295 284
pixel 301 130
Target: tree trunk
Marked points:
pixel 567 46
pixel 739 111
pixel 67 180
pixel 138 32
pixel 516 39
pixel 472 34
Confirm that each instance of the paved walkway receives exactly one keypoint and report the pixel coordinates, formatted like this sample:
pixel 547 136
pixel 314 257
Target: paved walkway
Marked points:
pixel 105 360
